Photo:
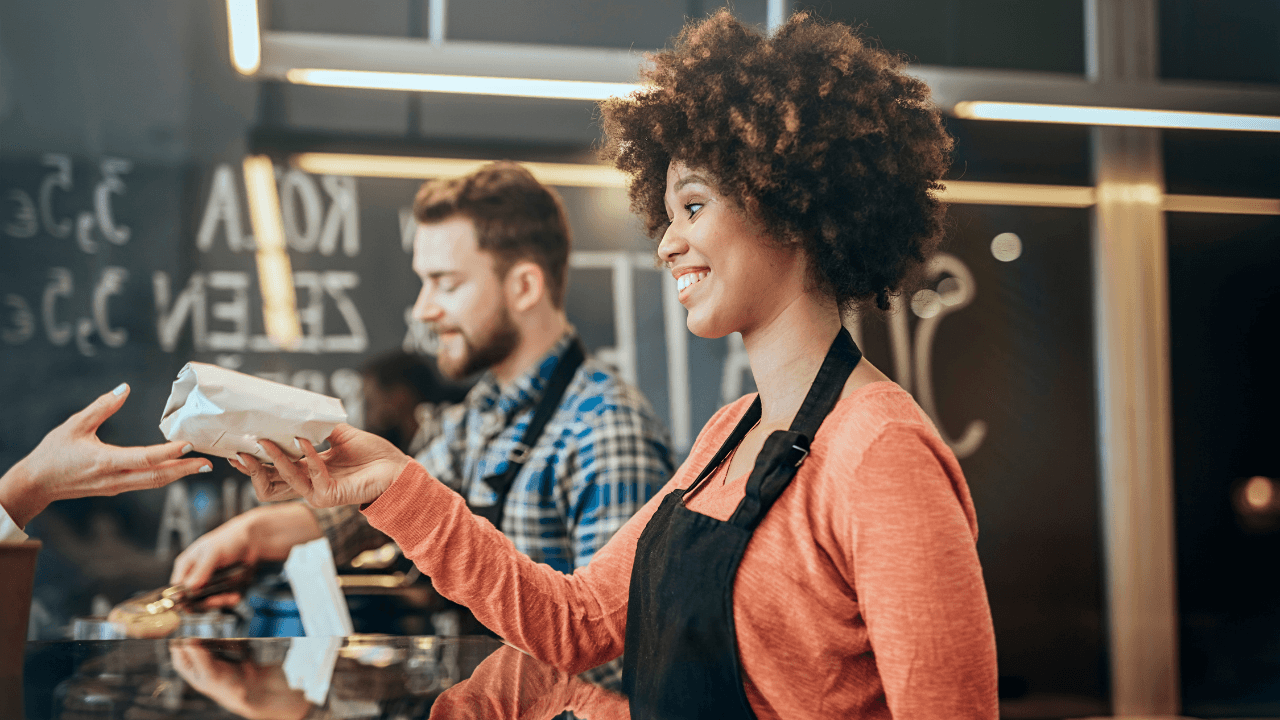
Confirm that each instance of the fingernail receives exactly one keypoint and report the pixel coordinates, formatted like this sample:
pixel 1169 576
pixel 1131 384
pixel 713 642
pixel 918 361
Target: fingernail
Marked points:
pixel 260 448
pixel 186 448
pixel 206 468
pixel 120 389
pixel 297 444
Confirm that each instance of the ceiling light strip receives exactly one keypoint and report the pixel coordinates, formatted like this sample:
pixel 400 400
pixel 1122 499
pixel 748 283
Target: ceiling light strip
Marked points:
pixel 960 192
pixel 422 168
pixel 462 84
pixel 990 193
pixel 1225 205
pixel 244 35
pixel 1114 116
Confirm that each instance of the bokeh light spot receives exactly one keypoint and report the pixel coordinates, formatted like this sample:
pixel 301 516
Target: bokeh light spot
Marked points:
pixel 1006 247
pixel 949 291
pixel 1259 492
pixel 926 303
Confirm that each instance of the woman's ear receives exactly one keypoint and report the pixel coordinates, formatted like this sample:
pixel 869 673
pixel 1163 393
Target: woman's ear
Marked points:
pixel 524 286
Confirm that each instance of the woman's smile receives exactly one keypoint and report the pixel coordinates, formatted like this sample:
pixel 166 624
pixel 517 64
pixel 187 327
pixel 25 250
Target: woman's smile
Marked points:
pixel 686 278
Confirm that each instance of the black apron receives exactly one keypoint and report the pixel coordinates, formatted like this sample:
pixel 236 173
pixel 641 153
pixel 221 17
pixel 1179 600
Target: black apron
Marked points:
pixel 501 483
pixel 681 658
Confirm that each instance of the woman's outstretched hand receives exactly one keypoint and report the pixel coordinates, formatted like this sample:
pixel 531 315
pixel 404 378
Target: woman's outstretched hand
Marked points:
pixel 356 469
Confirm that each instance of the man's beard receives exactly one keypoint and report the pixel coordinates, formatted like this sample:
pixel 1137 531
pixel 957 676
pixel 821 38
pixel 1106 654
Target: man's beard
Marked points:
pixel 484 352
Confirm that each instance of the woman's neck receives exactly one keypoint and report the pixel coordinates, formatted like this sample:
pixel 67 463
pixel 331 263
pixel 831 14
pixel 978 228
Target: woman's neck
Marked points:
pixel 786 352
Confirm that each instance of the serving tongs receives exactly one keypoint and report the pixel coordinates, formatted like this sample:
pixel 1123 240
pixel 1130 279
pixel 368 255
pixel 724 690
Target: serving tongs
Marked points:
pixel 232 578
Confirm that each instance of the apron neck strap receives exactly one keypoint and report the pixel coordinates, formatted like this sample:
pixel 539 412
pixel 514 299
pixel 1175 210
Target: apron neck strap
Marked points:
pixel 841 359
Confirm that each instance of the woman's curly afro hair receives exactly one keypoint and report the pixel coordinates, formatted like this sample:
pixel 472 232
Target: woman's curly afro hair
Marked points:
pixel 818 135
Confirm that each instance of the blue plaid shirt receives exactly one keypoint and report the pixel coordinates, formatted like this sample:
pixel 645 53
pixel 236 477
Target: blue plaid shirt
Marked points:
pixel 600 457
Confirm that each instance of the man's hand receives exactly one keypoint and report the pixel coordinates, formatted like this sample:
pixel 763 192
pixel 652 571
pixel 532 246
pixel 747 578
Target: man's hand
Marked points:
pixel 267 532
pixel 356 469
pixel 71 462
pixel 245 689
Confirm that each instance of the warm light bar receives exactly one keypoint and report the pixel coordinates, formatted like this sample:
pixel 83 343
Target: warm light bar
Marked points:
pixel 992 193
pixel 421 168
pixel 1125 117
pixel 275 275
pixel 245 35
pixel 465 84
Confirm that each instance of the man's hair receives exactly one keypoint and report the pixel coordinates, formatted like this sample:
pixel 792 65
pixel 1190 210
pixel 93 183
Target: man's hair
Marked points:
pixel 817 134
pixel 516 218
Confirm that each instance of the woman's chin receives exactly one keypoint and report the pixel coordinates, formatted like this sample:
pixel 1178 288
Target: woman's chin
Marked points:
pixel 704 328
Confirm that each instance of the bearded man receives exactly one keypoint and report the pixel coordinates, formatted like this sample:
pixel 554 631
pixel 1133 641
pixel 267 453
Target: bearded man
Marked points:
pixel 551 447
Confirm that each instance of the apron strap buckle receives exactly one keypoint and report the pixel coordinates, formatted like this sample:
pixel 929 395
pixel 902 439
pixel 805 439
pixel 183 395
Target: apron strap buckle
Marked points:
pixel 804 453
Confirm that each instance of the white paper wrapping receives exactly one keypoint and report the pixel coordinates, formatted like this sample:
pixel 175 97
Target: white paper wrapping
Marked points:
pixel 223 412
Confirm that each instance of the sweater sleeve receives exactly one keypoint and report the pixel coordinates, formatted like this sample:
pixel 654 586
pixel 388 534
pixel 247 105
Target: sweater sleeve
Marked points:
pixel 573 622
pixel 918 581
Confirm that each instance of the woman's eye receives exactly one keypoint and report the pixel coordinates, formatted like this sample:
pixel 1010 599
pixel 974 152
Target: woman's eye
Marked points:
pixel 692 209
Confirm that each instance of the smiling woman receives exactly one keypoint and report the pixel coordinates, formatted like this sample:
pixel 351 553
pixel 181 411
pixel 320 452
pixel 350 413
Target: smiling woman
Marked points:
pixel 815 555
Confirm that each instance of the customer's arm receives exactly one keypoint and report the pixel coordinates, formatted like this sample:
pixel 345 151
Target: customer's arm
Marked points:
pixel 71 462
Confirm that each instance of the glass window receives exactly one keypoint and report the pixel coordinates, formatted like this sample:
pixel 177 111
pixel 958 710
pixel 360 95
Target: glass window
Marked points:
pixel 1044 35
pixel 1224 297
pixel 1231 40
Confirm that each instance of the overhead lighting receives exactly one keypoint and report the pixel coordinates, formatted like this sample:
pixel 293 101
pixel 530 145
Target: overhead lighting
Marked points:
pixel 992 193
pixel 464 84
pixel 275 274
pixel 1123 117
pixel 422 168
pixel 245 35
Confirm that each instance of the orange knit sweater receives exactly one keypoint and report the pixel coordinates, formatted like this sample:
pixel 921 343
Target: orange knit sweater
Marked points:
pixel 859 596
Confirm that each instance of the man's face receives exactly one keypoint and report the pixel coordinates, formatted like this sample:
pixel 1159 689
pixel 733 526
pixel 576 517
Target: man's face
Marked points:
pixel 461 298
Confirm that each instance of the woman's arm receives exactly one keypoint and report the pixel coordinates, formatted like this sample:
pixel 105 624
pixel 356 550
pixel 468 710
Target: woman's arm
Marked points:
pixel 911 534
pixel 573 622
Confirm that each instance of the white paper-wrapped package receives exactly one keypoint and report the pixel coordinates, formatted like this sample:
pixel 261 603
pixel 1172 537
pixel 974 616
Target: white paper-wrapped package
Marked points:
pixel 223 412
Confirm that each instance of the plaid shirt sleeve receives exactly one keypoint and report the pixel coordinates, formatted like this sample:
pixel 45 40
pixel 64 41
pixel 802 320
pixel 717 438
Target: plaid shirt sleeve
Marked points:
pixel 623 458
pixel 348 531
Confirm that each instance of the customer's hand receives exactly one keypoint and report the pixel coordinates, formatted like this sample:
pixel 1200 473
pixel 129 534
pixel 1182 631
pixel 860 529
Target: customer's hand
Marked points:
pixel 246 689
pixel 71 462
pixel 357 468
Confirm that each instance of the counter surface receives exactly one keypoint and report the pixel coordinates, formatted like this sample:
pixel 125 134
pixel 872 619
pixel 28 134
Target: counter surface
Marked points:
pixel 363 676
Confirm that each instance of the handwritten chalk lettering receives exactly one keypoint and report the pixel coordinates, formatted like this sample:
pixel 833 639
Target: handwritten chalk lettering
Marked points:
pixel 343 218
pixel 175 517
pixel 408 229
pixel 956 297
pixel 312 380
pixel 195 305
pixel 171 316
pixel 222 210
pixel 84 331
pixel 60 286
pixel 24 222
pixel 111 283
pixel 22 325
pixel 59 179
pixel 234 311
pixel 310 313
pixel 111 184
pixel 349 387
pixel 357 340
pixel 84 233
pixel 299 191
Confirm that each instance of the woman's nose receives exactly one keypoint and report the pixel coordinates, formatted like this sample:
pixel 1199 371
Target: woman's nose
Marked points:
pixel 672 245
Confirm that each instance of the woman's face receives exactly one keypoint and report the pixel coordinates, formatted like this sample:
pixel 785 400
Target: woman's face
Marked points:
pixel 729 274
